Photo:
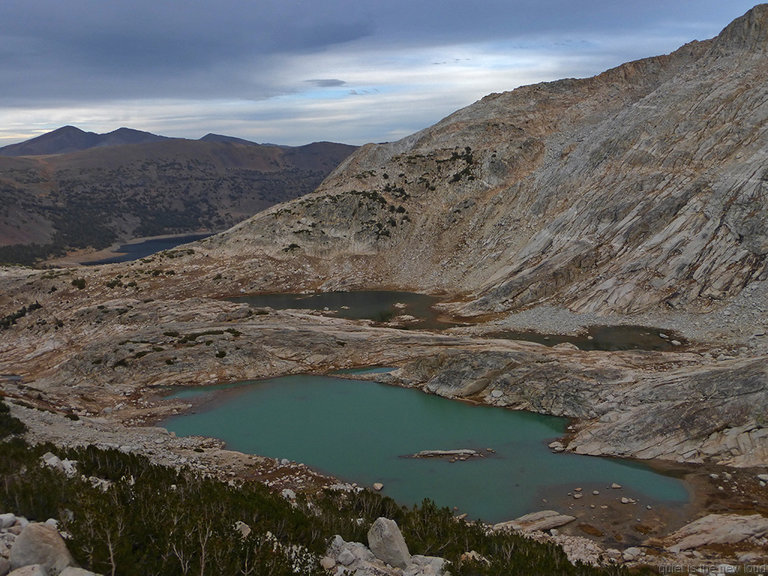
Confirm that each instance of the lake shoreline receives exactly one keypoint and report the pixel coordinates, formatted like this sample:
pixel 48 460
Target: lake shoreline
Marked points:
pixel 89 256
pixel 604 517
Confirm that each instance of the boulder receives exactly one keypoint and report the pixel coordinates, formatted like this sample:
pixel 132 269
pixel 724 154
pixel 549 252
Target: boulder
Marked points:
pixel 71 571
pixel 7 520
pixel 425 566
pixel 68 467
pixel 632 554
pixel 387 543
pixel 31 570
pixel 243 528
pixel 346 557
pixel 41 544
pixel 5 566
pixel 52 461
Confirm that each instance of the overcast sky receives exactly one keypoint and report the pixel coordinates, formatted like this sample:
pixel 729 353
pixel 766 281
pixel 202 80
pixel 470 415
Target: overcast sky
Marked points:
pixel 296 71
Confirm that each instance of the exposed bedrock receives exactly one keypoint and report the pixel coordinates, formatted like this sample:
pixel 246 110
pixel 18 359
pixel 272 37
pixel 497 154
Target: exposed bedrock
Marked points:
pixel 709 413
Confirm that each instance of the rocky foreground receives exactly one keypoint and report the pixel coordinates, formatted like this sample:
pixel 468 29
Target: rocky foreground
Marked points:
pixel 34 549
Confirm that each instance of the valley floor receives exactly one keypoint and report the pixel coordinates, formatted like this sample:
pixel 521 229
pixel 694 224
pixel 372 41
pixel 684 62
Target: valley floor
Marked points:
pixel 91 363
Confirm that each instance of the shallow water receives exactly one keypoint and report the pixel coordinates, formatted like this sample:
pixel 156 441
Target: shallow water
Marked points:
pixel 376 305
pixel 364 432
pixel 609 338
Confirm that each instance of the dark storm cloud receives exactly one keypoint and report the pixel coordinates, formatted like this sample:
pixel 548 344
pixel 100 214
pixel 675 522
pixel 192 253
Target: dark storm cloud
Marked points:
pixel 327 82
pixel 179 66
pixel 52 49
pixel 144 48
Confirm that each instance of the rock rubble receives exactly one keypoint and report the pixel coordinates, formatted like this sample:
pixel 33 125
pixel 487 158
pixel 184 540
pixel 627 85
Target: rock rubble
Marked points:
pixel 34 549
pixel 386 555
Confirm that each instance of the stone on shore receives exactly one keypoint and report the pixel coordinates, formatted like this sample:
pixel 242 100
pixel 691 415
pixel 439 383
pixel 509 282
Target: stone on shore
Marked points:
pixel 41 544
pixel 718 529
pixel 536 521
pixel 387 543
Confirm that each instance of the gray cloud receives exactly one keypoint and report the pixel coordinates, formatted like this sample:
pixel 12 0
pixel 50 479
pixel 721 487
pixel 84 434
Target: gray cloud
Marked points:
pixel 327 82
pixel 91 53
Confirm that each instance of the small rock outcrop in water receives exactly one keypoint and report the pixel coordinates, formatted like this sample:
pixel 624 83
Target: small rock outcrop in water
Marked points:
pixel 544 520
pixel 459 453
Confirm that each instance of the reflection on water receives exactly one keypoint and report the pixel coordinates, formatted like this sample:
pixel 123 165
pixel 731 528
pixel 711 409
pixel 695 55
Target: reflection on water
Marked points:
pixel 413 310
pixel 361 432
pixel 601 338
pixel 377 305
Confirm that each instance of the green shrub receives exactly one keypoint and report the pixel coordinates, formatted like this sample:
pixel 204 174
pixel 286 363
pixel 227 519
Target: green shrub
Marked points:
pixel 9 425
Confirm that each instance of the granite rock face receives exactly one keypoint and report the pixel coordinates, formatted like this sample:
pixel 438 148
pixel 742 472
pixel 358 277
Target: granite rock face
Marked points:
pixel 628 404
pixel 715 529
pixel 641 187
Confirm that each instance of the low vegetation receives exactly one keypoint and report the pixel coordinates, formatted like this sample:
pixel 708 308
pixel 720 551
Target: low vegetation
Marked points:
pixel 154 519
pixel 10 319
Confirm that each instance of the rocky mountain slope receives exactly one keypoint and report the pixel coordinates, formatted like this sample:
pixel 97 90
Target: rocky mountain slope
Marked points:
pixel 75 189
pixel 642 187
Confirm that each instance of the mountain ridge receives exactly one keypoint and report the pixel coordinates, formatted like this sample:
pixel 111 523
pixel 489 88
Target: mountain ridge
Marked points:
pixel 68 139
pixel 93 197
pixel 586 193
pixel 71 139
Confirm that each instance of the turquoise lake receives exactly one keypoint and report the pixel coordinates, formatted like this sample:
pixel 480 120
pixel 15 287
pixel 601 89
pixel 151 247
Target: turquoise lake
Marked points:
pixel 364 432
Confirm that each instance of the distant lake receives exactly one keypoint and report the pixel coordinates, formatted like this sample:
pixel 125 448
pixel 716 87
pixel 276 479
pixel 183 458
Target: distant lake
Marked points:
pixel 364 432
pixel 136 250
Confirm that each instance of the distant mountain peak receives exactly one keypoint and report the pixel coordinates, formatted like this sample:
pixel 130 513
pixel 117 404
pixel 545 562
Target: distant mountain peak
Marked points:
pixel 72 139
pixel 211 137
